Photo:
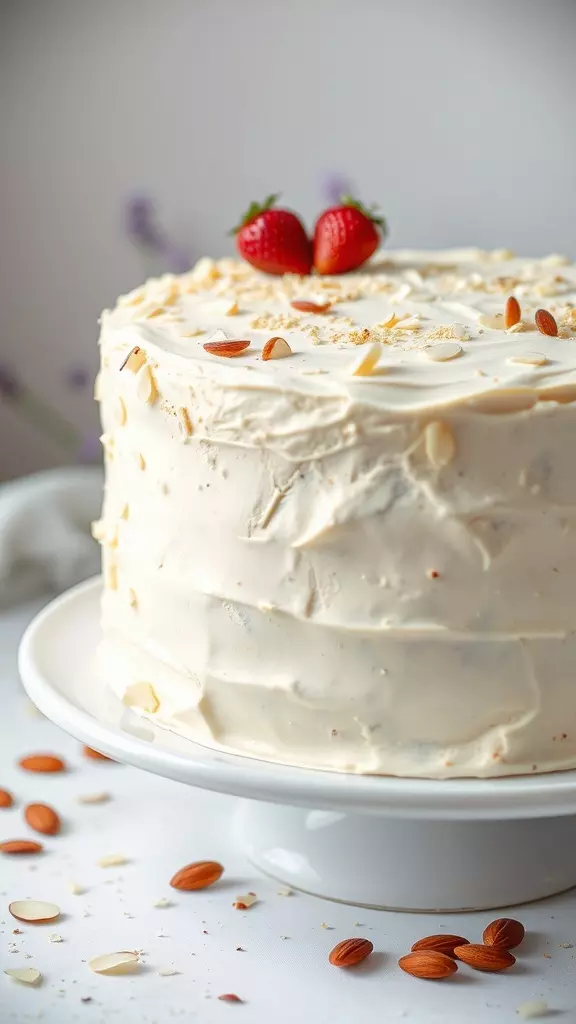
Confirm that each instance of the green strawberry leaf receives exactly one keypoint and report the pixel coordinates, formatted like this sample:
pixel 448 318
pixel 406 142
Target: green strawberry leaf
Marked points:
pixel 371 212
pixel 254 210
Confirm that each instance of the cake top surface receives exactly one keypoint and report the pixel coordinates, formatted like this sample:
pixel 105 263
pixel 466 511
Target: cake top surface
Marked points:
pixel 409 330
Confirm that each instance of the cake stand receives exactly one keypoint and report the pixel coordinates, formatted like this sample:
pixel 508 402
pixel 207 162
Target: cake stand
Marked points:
pixel 377 841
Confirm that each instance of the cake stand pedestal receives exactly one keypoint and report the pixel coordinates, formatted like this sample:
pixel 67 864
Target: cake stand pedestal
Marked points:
pixel 403 844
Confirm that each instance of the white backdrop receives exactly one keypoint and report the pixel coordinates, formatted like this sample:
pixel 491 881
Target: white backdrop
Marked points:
pixel 457 116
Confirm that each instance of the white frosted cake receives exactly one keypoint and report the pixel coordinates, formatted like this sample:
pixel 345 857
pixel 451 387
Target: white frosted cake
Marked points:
pixel 359 554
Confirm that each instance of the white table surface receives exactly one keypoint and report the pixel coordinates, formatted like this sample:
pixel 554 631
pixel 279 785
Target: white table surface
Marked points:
pixel 282 973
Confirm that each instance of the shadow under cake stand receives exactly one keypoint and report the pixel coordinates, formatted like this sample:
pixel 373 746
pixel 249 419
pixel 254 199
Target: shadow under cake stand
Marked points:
pixel 377 841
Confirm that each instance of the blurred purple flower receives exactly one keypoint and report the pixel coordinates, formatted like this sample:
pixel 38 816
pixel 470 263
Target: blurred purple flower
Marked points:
pixel 10 387
pixel 77 378
pixel 336 185
pixel 143 231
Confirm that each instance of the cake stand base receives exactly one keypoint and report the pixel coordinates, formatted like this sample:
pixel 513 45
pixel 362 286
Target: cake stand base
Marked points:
pixel 377 841
pixel 393 864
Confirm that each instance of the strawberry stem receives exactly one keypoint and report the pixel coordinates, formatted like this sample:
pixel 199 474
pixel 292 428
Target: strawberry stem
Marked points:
pixel 371 212
pixel 254 210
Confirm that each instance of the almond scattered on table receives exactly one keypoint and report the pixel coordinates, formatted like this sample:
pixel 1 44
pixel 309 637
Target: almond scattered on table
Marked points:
pixel 25 975
pixel 112 860
pixel 93 798
pixel 125 962
pixel 42 763
pixel 95 755
pixel 246 901
pixel 485 958
pixel 440 943
pixel 198 875
pixel 230 997
pixel 34 911
pixel 42 818
pixel 505 931
pixel 350 952
pixel 6 798
pixel 428 964
pixel 21 846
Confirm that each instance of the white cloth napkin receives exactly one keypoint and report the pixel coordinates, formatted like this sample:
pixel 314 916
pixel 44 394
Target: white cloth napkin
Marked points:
pixel 45 541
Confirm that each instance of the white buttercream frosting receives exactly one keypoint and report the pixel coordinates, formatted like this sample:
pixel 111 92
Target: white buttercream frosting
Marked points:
pixel 360 555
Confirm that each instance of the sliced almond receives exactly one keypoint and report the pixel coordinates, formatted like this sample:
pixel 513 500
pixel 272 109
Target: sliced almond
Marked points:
pixel 34 911
pixel 93 798
pixel 440 444
pixel 25 975
pixel 184 421
pixel 55 938
pixel 112 860
pixel 141 695
pixel 444 351
pixel 529 358
pixel 42 763
pixel 305 306
pixel 495 322
pixel 121 411
pixel 246 901
pixel 134 360
pixel 115 963
pixel 146 385
pixel 167 972
pixel 276 348
pixel 228 349
pixel 366 360
pixel 75 889
pixel 233 310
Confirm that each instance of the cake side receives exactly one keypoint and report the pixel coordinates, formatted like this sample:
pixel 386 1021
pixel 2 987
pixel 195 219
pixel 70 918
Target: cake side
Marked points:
pixel 365 573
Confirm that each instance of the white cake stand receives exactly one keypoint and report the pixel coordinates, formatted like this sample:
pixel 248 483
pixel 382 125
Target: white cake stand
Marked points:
pixel 404 844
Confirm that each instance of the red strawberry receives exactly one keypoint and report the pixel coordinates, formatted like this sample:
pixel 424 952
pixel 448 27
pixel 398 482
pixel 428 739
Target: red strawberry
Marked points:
pixel 273 240
pixel 345 237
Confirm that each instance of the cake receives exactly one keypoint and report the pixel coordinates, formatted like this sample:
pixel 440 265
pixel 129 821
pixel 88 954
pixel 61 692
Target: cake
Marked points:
pixel 349 544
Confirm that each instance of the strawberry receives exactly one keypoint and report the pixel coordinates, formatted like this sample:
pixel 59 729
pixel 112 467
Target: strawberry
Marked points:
pixel 273 240
pixel 345 237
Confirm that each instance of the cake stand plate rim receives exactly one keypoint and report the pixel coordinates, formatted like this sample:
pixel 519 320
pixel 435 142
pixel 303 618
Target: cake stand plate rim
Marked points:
pixel 73 617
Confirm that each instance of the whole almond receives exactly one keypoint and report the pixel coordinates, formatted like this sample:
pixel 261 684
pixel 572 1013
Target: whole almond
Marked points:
pixel 42 763
pixel 199 875
pixel 504 932
pixel 512 315
pixel 546 323
pixel 350 952
pixel 485 958
pixel 427 963
pixel 440 943
pixel 20 846
pixel 95 755
pixel 42 819
pixel 6 798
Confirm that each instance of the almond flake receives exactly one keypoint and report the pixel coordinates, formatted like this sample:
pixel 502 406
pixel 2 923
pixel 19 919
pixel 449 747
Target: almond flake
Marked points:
pixel 390 322
pixel 366 360
pixel 233 310
pixel 305 306
pixel 75 889
pixel 439 443
pixel 125 511
pixel 285 892
pixel 93 798
pixel 146 385
pixel 167 972
pixel 34 911
pixel 141 695
pixel 218 335
pixel 55 938
pixel 122 412
pixel 140 461
pixel 531 358
pixel 444 351
pixel 134 360
pixel 132 598
pixel 184 421
pixel 115 963
pixel 112 860
pixel 162 903
pixel 533 1009
pixel 25 975
pixel 276 348
pixel 112 577
pixel 245 902
pixel 497 322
